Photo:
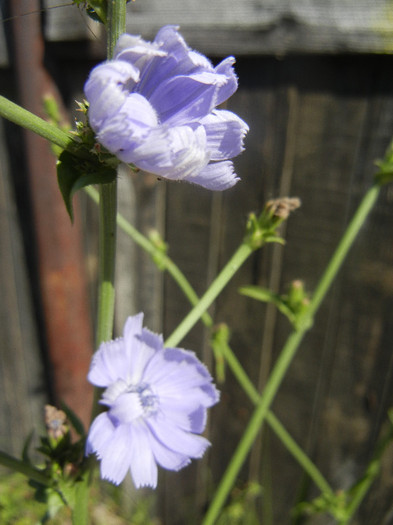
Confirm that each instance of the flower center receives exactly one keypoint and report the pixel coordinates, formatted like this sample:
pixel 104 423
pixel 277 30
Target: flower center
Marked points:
pixel 129 402
pixel 148 400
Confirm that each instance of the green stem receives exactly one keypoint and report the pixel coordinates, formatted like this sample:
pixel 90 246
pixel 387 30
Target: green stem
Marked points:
pixel 27 120
pixel 238 258
pixel 24 468
pixel 107 254
pixel 80 512
pixel 117 10
pixel 286 356
pixel 116 25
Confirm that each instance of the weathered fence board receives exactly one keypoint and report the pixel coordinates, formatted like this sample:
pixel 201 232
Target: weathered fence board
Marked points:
pixel 22 377
pixel 249 26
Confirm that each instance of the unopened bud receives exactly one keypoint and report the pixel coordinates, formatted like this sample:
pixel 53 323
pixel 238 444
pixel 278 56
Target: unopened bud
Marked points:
pixel 282 207
pixel 56 422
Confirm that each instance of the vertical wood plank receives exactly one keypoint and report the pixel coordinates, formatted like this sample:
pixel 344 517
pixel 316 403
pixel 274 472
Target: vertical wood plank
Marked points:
pixel 22 379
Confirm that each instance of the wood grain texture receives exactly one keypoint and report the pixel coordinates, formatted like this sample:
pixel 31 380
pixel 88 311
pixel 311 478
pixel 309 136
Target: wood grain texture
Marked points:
pixel 23 389
pixel 248 27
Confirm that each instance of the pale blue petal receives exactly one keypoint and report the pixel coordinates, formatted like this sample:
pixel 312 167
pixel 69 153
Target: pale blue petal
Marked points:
pixel 116 459
pixel 142 462
pixel 178 61
pixel 100 435
pixel 173 376
pixel 225 134
pixel 177 403
pixel 113 392
pixel 133 326
pixel 187 415
pixel 138 353
pixel 198 420
pixel 216 176
pixel 136 51
pixel 172 153
pixel 182 99
pixel 165 457
pixel 230 86
pixel 107 89
pixel 199 61
pixel 212 393
pixel 175 438
pixel 109 364
pixel 126 408
pixel 187 60
pixel 151 339
pixel 129 125
pixel 179 355
pixel 169 39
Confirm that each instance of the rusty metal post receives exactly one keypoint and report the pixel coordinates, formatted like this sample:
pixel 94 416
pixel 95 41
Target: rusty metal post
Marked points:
pixel 62 277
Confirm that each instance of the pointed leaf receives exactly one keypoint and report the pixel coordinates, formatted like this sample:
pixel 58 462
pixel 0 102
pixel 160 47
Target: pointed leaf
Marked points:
pixel 72 175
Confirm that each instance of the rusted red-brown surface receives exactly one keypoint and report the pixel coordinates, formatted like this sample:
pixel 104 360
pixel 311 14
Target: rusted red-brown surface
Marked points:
pixel 59 244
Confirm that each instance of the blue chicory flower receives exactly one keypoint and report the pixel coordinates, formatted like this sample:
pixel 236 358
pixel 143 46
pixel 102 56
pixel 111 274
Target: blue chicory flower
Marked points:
pixel 157 400
pixel 154 106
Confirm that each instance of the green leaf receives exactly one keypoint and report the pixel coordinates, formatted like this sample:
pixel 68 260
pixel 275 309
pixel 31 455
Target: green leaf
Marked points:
pixel 74 174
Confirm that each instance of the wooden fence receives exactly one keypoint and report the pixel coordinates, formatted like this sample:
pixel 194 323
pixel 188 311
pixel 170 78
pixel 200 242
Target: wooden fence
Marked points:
pixel 316 88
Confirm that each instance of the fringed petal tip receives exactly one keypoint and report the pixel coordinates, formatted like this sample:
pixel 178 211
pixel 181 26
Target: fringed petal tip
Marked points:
pixel 216 176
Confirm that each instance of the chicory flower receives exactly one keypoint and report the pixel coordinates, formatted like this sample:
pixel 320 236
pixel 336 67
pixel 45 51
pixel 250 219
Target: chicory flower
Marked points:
pixel 157 399
pixel 154 106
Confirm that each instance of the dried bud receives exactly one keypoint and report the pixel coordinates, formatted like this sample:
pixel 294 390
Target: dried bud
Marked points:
pixel 56 422
pixel 282 207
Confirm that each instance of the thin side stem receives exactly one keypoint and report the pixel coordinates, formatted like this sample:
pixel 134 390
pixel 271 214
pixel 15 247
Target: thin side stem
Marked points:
pixel 286 356
pixel 226 274
pixel 28 120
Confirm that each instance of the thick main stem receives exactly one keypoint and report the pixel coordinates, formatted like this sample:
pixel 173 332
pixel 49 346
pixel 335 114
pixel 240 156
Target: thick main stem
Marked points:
pixel 287 355
pixel 116 24
pixel 107 255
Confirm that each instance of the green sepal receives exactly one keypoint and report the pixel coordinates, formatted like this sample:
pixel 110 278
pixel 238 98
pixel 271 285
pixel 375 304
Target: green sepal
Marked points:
pixel 74 174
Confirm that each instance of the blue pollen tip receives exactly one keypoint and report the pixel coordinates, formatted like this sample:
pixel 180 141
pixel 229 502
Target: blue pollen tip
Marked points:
pixel 148 400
